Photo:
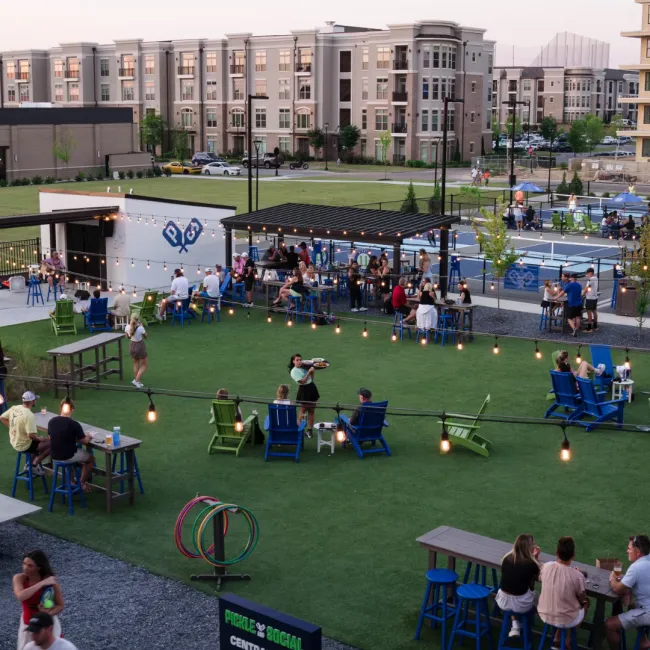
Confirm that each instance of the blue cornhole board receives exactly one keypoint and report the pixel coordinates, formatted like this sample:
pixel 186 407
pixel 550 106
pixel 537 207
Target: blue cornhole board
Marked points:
pixel 523 277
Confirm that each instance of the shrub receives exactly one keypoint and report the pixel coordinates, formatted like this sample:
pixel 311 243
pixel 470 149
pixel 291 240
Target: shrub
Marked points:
pixel 129 174
pixel 49 180
pixel 121 175
pixel 416 163
pixel 563 188
pixel 149 173
pixel 37 180
pixel 593 194
pixel 99 177
pixel 575 186
pixel 606 195
pixel 157 172
pixel 3 182
pixel 17 182
pixel 434 203
pixel 139 173
pixel 80 177
pixel 410 204
pixel 564 165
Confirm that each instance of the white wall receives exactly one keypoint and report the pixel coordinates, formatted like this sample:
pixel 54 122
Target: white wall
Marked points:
pixel 133 240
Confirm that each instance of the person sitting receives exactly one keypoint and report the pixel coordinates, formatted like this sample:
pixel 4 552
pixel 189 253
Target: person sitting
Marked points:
pixel 220 273
pixel 629 227
pixel 519 571
pixel 563 365
pixel 211 285
pixel 179 291
pixel 563 602
pixel 23 431
pixel 282 250
pixel 634 584
pixel 303 253
pixel 365 396
pixel 121 307
pixel 282 395
pixel 509 216
pixel 294 287
pixel 311 278
pixel 530 218
pixel 65 434
pixel 272 255
pixel 400 303
pixel 292 257
pixel 52 267
pixel 223 396
pixel 426 314
pixel 465 295
pixel 96 294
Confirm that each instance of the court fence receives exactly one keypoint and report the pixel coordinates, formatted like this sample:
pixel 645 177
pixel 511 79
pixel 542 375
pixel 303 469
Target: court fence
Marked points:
pixel 17 256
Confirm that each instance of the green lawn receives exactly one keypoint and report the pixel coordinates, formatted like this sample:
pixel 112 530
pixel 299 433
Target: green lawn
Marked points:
pixel 337 544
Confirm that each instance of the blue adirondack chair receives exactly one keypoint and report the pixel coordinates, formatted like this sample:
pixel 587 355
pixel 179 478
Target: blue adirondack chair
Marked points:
pixel 96 318
pixel 566 396
pixel 225 290
pixel 368 429
pixel 603 354
pixel 594 407
pixel 283 429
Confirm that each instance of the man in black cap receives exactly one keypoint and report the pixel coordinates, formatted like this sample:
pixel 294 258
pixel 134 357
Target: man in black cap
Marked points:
pixel 365 395
pixel 41 628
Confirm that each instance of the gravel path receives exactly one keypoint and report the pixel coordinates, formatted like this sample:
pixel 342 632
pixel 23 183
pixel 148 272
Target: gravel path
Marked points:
pixel 111 605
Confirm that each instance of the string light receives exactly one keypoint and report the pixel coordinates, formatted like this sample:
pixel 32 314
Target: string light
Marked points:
pixel 538 354
pixel 460 342
pixel 393 337
pixel 239 423
pixel 313 325
pixel 135 295
pixel 117 261
pixel 268 317
pixel 132 263
pixel 445 445
pixel 152 415
pixel 66 407
pixel 565 452
pixel 289 322
pixel 578 356
pixel 423 340
pixel 495 349
pixel 491 286
pixel 165 266
pixel 365 331
pixel 340 433
pixel 148 265
pixel 337 329
pixel 627 359
pixel 231 311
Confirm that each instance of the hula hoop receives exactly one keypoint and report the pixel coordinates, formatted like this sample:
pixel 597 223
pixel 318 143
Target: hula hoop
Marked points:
pixel 252 538
pixel 178 529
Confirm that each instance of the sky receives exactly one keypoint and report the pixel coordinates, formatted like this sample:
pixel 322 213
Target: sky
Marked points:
pixel 44 23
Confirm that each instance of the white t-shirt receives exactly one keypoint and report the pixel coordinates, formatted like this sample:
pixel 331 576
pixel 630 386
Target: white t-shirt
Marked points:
pixel 138 335
pixel 286 402
pixel 211 285
pixel 592 288
pixel 59 644
pixel 180 287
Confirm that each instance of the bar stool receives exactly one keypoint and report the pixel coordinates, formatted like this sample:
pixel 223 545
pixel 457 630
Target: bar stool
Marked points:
pixel 211 310
pixel 480 576
pixel 477 596
pixel 26 475
pixel 66 488
pixel 254 253
pixel 527 630
pixel 123 471
pixel 439 581
pixel 641 632
pixel 398 325
pixel 422 332
pixel 454 274
pixel 294 305
pixel 544 318
pixel 551 629
pixel 53 288
pixel 328 282
pixel 446 329
pixel 311 305
pixel 238 294
pixel 34 291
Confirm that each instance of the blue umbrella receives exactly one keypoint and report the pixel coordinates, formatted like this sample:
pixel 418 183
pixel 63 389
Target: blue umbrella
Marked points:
pixel 527 187
pixel 626 197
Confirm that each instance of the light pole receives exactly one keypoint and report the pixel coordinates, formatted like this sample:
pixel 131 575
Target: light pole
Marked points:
pixel 435 173
pixel 258 144
pixel 444 232
pixel 249 129
pixel 513 103
pixel 327 126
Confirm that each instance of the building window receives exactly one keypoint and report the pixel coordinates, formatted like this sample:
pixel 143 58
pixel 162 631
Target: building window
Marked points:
pixel 434 121
pixel 444 57
pixel 473 86
pixel 187 90
pixel 211 90
pixel 237 89
pixel 383 57
pixel 237 118
pixel 187 63
pixel 260 118
pixel 435 88
pixel 186 117
pixel 527 85
pixel 11 70
pixel 23 69
pixel 364 119
pixel 106 93
pixel 550 100
pixel 451 120
pixel 425 88
pixel 211 117
pixel 490 63
pixel 284 91
pixel 647 81
pixel 381 119
pixel 382 87
pixel 240 61
pixel 58 68
pixel 443 88
pixel 304 59
pixel 149 91
pixel 73 92
pixel 345 61
pixel 426 57
pixel 284 143
pixel 364 147
pixel 285 61
pixel 305 88
pixel 127 91
pixel 260 87
pixel 149 64
pixel 345 90
pixel 103 68
pixel 379 150
pixel 58 93
pixel 471 147
pixel 425 120
pixel 424 151
pixel 303 120
pixel 364 89
pixel 436 56
pixel 11 94
pixel 645 148
pixel 211 62
pixel 646 114
pixel 212 144
pixel 73 68
pixel 285 118
pixel 472 117
pixel 364 58
pixel 24 92
pixel 127 66
pixel 260 61
pixel 452 58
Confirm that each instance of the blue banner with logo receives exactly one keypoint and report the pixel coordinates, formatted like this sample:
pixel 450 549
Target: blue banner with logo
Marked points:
pixel 523 277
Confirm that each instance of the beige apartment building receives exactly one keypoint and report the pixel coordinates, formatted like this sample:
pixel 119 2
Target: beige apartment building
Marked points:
pixel 392 79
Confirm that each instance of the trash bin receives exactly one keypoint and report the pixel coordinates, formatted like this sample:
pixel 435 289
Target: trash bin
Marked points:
pixel 626 299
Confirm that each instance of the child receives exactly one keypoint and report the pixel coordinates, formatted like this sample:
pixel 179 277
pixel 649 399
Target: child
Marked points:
pixel 136 334
pixel 548 294
pixel 282 396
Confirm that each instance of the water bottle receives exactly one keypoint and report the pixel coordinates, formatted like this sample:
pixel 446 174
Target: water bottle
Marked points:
pixel 116 436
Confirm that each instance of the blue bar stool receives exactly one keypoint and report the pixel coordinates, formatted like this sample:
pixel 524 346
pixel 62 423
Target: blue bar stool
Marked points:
pixel 329 282
pixel 480 576
pixel 311 305
pixel 34 291
pixel 66 488
pixel 477 596
pixel 424 333
pixel 551 629
pixel 439 582
pixel 181 311
pixel 454 274
pixel 210 309
pixel 123 471
pixel 642 632
pixel 238 293
pixel 254 253
pixel 398 325
pixel 527 630
pixel 53 288
pixel 3 406
pixel 446 329
pixel 294 306
pixel 26 475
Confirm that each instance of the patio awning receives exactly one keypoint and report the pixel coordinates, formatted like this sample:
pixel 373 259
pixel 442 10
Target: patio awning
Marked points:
pixel 58 216
pixel 338 222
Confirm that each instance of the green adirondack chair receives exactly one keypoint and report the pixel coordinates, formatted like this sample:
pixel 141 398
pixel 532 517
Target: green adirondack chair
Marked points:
pixel 147 308
pixel 570 225
pixel 464 434
pixel 588 224
pixel 556 221
pixel 226 438
pixel 63 318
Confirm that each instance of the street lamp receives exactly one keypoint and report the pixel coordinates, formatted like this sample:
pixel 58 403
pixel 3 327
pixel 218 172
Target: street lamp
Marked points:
pixel 249 129
pixel 327 126
pixel 444 232
pixel 513 103
pixel 258 144
pixel 435 173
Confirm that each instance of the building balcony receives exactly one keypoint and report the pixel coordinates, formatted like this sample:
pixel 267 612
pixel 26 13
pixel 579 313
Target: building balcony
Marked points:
pixel 71 75
pixel 303 68
pixel 399 158
pixel 400 97
pixel 126 73
pixel 633 99
pixel 401 64
pixel 398 127
pixel 22 77
pixel 186 71
pixel 237 70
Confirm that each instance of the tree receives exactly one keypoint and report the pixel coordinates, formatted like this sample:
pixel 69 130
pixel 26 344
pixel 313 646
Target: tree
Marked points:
pixel 578 136
pixel 575 186
pixel 410 204
pixel 434 203
pixel 496 130
pixel 518 129
pixel 594 131
pixel 316 138
pixel 548 129
pixel 349 137
pixel 385 139
pixel 180 143
pixel 563 188
pixel 492 236
pixel 152 128
pixel 615 124
pixel 64 147
pixel 639 269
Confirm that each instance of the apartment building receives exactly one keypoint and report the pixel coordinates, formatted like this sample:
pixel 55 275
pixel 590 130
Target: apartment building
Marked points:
pixel 392 79
pixel 568 94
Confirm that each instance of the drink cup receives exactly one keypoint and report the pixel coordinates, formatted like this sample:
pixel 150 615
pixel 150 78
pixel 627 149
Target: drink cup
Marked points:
pixel 618 570
pixel 109 439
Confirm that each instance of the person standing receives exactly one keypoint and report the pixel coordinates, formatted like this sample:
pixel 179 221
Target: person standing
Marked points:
pixel 37 580
pixel 572 203
pixel 474 175
pixel 573 292
pixel 354 286
pixel 308 394
pixel 591 301
pixel 41 627
pixel 249 279
pixel 136 334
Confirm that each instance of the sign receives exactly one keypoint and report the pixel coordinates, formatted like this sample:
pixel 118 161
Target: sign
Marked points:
pixel 247 625
pixel 523 277
pixel 182 239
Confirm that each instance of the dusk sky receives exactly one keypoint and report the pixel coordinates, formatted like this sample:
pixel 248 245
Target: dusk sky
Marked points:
pixel 43 23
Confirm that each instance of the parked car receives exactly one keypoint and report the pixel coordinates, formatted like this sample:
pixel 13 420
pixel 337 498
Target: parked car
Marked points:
pixel 184 167
pixel 625 139
pixel 608 140
pixel 267 161
pixel 221 169
pixel 205 157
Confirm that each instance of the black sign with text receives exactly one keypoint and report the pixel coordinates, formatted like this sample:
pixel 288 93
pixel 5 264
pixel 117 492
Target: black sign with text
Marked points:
pixel 249 626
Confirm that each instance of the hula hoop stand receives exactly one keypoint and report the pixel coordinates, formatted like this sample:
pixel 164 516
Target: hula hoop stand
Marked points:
pixel 216 513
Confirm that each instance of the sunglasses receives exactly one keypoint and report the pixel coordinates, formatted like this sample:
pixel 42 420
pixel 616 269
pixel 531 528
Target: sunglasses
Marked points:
pixel 635 542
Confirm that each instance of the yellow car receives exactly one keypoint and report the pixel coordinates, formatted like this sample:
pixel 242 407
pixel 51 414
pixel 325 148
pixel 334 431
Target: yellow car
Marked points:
pixel 180 168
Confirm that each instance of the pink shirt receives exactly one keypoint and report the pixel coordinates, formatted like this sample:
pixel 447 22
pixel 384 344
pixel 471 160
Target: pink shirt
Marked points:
pixel 238 266
pixel 562 585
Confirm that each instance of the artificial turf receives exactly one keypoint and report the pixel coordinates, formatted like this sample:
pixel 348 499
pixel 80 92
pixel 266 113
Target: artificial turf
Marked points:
pixel 337 542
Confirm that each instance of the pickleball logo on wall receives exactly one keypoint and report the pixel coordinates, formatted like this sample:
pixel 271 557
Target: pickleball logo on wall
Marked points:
pixel 181 239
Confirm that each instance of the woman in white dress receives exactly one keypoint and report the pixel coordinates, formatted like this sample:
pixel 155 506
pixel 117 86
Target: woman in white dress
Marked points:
pixel 427 314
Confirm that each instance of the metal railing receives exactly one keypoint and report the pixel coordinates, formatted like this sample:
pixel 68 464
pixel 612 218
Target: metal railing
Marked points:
pixel 401 64
pixel 16 256
pixel 398 127
pixel 127 72
pixel 186 69
pixel 303 67
pixel 237 69
pixel 400 96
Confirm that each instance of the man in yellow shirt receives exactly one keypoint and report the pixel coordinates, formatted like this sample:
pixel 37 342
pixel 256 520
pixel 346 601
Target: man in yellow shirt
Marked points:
pixel 22 431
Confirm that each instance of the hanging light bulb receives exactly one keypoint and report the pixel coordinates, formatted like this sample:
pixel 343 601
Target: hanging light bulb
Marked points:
pixel 110 288
pixel 365 331
pixel 337 329
pixel 122 290
pixel 565 452
pixel 423 340
pixel 148 265
pixel 495 349
pixel 579 356
pixel 491 286
pixel 268 317
pixel 117 261
pixel 340 433
pixel 231 311
pixel 135 295
pixel 152 415
pixel 538 354
pixel 66 405
pixel 313 326
pixel 445 445
pixel 198 271
pixel 393 337
pixel 165 266
pixel 239 423
pixel 132 264
pixel 289 323
pixel 460 343
pixel 627 359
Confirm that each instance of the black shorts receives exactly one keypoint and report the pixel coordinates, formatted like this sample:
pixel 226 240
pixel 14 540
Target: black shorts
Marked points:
pixel 591 305
pixel 33 448
pixel 404 309
pixel 573 312
pixel 249 282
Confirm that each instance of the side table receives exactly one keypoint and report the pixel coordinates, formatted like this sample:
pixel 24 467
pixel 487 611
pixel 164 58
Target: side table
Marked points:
pixel 620 388
pixel 324 429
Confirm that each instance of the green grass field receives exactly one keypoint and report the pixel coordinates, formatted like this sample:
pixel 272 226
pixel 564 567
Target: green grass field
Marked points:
pixel 337 543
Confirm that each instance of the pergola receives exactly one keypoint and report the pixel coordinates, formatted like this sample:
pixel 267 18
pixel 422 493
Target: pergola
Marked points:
pixel 381 227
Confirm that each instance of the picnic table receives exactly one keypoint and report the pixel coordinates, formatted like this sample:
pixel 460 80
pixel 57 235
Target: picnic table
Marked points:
pixel 461 310
pixel 77 349
pixel 320 290
pixel 12 509
pixel 127 444
pixel 459 544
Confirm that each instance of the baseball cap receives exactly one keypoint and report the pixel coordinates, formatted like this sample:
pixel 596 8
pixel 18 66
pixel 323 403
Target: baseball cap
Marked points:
pixel 28 396
pixel 236 255
pixel 39 621
pixel 244 254
pixel 365 393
